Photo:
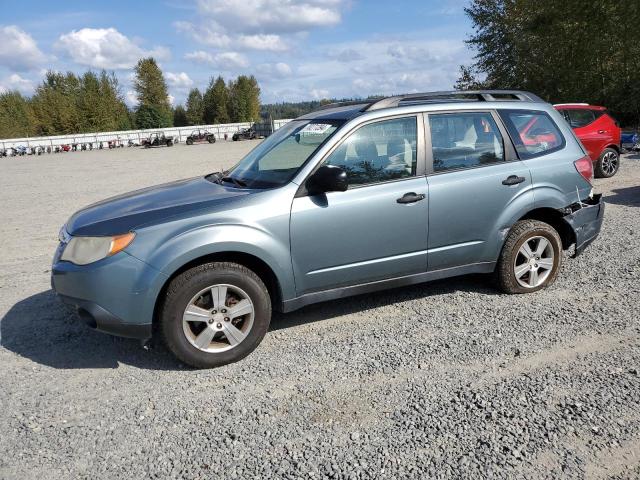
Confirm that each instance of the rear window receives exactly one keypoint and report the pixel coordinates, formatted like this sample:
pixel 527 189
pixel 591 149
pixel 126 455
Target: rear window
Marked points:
pixel 533 132
pixel 580 117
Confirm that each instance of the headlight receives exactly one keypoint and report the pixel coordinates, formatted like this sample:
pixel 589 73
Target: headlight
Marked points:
pixel 85 250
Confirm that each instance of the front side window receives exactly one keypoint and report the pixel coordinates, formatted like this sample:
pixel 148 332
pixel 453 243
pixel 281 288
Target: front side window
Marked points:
pixel 378 152
pixel 464 140
pixel 277 159
pixel 533 132
pixel 580 117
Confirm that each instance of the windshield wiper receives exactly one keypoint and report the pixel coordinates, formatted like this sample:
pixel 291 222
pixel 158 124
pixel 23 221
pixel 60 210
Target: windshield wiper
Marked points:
pixel 235 181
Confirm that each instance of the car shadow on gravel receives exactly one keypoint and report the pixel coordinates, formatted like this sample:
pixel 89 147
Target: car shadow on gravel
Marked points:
pixel 629 196
pixel 48 332
pixel 478 283
pixel 44 330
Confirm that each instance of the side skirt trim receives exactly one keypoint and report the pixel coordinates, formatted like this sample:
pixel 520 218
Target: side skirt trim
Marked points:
pixel 342 292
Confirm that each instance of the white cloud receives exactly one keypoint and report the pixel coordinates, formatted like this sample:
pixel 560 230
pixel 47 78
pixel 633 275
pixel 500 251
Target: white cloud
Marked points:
pixel 105 48
pixel 226 60
pixel 277 70
pixel 16 82
pixel 18 50
pixel 319 93
pixel 178 80
pixel 231 60
pixel 273 16
pixel 273 43
pixel 263 25
pixel 131 98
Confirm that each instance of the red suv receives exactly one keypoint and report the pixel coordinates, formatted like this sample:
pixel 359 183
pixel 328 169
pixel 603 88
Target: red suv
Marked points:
pixel 598 131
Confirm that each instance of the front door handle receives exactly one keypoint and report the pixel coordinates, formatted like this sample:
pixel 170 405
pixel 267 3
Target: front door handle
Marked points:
pixel 513 180
pixel 411 197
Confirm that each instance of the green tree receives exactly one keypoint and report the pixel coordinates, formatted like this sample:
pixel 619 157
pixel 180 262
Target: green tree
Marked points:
pixel 195 108
pixel 244 99
pixel 113 102
pixel 216 102
pixel 563 51
pixel 16 116
pixel 55 104
pixel 180 117
pixel 153 98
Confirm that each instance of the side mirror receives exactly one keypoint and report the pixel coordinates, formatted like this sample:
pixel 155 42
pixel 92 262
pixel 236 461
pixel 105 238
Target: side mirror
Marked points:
pixel 328 178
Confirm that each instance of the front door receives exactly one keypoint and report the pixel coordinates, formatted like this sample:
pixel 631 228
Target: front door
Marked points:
pixel 377 229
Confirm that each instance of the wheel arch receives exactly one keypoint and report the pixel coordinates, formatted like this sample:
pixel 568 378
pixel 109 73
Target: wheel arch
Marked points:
pixel 613 146
pixel 252 262
pixel 553 217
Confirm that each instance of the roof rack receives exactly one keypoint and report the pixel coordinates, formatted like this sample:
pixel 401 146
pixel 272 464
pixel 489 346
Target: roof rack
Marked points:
pixel 367 103
pixel 452 96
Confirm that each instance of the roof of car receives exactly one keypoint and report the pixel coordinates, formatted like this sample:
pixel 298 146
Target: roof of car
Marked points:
pixel 349 110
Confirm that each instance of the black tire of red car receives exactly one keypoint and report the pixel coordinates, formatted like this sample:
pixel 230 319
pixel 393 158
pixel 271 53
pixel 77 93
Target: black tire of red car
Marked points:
pixel 189 141
pixel 180 292
pixel 522 231
pixel 608 164
pixel 211 139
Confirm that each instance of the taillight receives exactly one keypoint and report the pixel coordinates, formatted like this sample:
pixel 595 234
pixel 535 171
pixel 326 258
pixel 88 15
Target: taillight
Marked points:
pixel 585 168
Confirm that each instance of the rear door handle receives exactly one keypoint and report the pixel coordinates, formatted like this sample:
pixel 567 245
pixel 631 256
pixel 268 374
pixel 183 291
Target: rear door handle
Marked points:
pixel 513 180
pixel 411 197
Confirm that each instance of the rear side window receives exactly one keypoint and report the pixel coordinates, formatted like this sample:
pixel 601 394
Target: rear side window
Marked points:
pixel 580 117
pixel 533 132
pixel 464 140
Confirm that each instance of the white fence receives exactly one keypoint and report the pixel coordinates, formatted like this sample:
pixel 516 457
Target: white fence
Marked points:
pixel 179 133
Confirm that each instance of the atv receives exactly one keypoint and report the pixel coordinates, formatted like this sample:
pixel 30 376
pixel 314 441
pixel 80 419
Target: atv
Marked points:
pixel 157 140
pixel 245 134
pixel 200 136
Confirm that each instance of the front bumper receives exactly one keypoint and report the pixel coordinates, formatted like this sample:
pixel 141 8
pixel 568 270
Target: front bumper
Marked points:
pixel 586 222
pixel 115 295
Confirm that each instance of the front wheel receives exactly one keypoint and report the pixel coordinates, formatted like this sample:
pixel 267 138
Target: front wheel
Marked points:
pixel 608 163
pixel 215 314
pixel 530 258
pixel 211 139
pixel 189 141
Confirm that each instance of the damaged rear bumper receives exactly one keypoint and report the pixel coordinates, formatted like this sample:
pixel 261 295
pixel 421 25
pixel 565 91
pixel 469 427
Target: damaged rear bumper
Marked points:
pixel 585 219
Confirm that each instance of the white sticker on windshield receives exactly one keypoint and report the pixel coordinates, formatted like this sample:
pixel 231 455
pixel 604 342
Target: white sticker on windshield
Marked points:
pixel 316 128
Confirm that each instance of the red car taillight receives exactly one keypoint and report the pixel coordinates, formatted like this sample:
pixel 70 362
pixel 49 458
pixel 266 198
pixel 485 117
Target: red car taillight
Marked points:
pixel 585 168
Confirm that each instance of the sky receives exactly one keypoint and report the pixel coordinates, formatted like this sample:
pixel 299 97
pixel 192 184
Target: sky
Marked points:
pixel 298 50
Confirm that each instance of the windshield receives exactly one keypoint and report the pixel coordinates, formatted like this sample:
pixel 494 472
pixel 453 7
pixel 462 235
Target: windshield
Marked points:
pixel 277 159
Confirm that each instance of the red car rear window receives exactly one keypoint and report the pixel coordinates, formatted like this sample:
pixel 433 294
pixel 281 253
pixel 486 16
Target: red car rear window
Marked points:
pixel 534 132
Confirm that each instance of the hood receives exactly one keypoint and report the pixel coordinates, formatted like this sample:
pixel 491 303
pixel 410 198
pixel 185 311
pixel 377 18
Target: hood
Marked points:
pixel 151 205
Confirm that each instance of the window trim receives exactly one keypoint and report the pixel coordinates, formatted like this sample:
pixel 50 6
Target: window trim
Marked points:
pixel 516 139
pixel 510 154
pixel 420 152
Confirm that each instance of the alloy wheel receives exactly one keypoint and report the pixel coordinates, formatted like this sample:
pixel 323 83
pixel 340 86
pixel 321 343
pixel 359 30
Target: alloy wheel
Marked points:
pixel 218 318
pixel 610 163
pixel 534 262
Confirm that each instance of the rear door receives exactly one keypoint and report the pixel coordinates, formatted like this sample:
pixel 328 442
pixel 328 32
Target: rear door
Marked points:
pixel 476 183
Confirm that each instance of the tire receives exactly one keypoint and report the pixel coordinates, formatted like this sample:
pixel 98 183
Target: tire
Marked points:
pixel 189 141
pixel 608 163
pixel 169 143
pixel 235 138
pixel 511 257
pixel 211 139
pixel 195 286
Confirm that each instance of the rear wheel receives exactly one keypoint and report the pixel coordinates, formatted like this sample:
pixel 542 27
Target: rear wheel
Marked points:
pixel 608 163
pixel 215 314
pixel 211 139
pixel 189 141
pixel 530 258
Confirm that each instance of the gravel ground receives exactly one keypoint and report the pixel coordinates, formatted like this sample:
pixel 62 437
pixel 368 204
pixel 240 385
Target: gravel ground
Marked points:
pixel 448 379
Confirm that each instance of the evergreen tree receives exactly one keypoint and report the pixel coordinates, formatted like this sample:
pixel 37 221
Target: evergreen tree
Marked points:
pixel 195 108
pixel 153 98
pixel 16 116
pixel 570 51
pixel 180 117
pixel 55 105
pixel 216 102
pixel 244 99
pixel 113 101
